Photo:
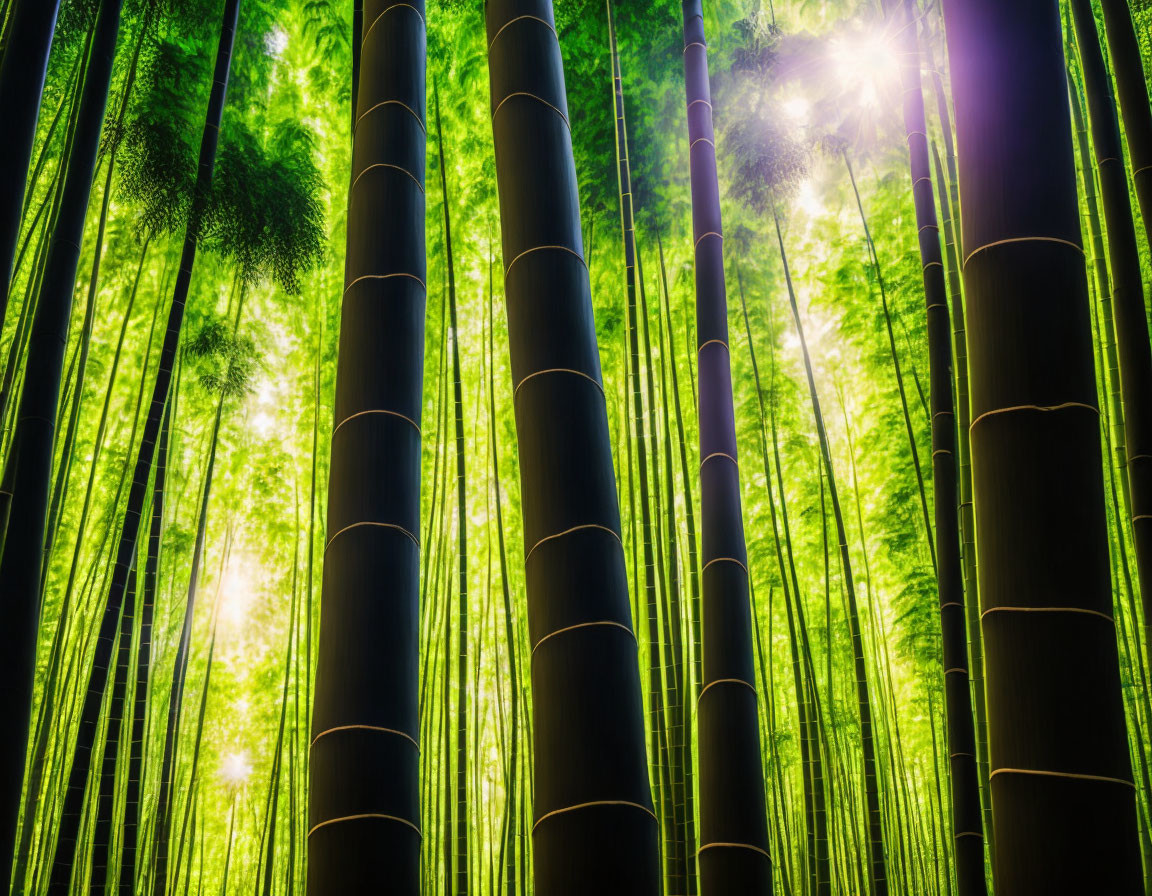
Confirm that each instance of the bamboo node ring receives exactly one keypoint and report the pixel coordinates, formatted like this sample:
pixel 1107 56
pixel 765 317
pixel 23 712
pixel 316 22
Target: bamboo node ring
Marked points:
pixel 1077 776
pixel 539 249
pixel 1067 405
pixel 538 99
pixel 404 417
pixel 368 30
pixel 737 681
pixel 762 852
pixel 419 185
pixel 365 816
pixel 384 277
pixel 399 529
pixel 374 728
pixel 579 528
pixel 725 560
pixel 1023 239
pixel 1080 610
pixel 516 391
pixel 519 19
pixel 627 803
pixel 403 106
pixel 570 628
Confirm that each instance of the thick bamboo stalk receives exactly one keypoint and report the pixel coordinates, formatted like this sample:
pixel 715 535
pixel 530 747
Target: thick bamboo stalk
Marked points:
pixel 595 829
pixel 734 842
pixel 365 816
pixel 1058 745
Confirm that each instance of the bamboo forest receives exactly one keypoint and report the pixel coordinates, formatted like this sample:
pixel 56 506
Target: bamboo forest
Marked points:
pixel 575 447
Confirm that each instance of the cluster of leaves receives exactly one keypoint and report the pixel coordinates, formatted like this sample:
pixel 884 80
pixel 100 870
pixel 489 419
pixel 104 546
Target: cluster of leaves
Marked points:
pixel 767 161
pixel 157 150
pixel 227 360
pixel 265 215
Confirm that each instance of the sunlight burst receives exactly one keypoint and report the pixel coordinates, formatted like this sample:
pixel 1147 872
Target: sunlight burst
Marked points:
pixel 235 768
pixel 238 592
pixel 797 109
pixel 866 64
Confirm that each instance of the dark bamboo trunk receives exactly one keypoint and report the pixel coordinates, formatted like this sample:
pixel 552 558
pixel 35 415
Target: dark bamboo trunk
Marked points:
pixel 1133 350
pixel 1062 793
pixel 29 466
pixel 364 828
pixel 1132 91
pixel 23 68
pixel 125 550
pixel 734 842
pixel 595 829
pixel 968 838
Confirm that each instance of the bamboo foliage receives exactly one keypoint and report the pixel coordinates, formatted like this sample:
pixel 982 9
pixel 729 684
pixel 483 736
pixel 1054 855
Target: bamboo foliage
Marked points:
pixel 807 701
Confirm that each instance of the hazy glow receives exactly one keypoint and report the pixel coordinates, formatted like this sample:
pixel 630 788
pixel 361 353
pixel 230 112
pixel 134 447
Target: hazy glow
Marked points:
pixel 808 201
pixel 867 64
pixel 235 768
pixel 797 109
pixel 262 423
pixel 238 593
